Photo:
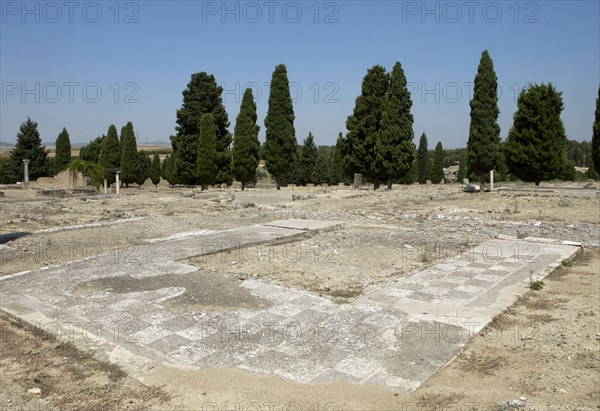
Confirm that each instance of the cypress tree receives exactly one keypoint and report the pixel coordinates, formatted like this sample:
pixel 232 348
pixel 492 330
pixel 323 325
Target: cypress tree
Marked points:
pixel 280 143
pixel 29 146
pixel 395 148
pixel 130 164
pixel 110 153
pixel 63 152
pixel 154 172
pixel 246 147
pixel 462 172
pixel 202 96
pixel 437 172
pixel 364 126
pixel 536 146
pixel 307 161
pixel 596 135
pixel 483 147
pixel 143 169
pixel 170 172
pixel 422 160
pixel 321 172
pixel 207 152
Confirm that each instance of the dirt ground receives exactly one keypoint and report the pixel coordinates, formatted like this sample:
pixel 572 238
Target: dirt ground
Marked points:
pixel 544 349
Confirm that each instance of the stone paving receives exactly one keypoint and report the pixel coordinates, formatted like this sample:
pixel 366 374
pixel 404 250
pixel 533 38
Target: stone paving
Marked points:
pixel 136 308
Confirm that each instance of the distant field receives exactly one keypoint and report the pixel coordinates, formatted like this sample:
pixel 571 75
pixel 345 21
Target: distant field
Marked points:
pixel 161 150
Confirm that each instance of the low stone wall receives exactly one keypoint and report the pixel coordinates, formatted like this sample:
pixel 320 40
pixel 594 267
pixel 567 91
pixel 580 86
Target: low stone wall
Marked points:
pixel 65 180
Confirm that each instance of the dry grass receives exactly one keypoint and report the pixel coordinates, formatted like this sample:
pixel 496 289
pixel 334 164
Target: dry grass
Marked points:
pixel 480 364
pixel 541 318
pixel 540 303
pixel 439 401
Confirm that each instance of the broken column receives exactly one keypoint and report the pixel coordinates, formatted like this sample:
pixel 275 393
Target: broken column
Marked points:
pixel 491 180
pixel 26 170
pixel 118 182
pixel 357 180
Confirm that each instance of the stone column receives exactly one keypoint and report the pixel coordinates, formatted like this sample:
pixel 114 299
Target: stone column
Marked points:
pixel 105 186
pixel 491 181
pixel 357 180
pixel 25 170
pixel 118 182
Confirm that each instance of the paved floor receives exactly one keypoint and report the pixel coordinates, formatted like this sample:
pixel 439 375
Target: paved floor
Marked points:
pixel 141 308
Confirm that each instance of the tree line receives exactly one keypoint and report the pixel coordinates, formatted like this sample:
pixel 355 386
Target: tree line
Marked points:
pixel 378 143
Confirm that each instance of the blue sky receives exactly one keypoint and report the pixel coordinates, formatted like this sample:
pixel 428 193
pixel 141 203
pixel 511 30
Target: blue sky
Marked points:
pixel 86 65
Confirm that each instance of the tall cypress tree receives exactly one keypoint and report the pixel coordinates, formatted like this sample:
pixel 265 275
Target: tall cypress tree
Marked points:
pixel 154 172
pixel 202 96
pixel 437 171
pixel 246 147
pixel 170 172
pixel 364 125
pixel 207 152
pixel 483 147
pixel 596 135
pixel 394 148
pixel 63 152
pixel 144 167
pixel 307 161
pixel 130 164
pixel 29 146
pixel 536 147
pixel 110 153
pixel 422 160
pixel 280 143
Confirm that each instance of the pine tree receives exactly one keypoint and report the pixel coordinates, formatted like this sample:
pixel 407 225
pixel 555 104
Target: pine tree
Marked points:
pixel 536 146
pixel 207 152
pixel 437 172
pixel 246 147
pixel 63 152
pixel 130 165
pixel 483 147
pixel 422 160
pixel 596 136
pixel 110 154
pixel 91 151
pixel 144 168
pixel 164 166
pixel 364 126
pixel 394 147
pixel 202 96
pixel 280 144
pixel 29 146
pixel 308 159
pixel 154 172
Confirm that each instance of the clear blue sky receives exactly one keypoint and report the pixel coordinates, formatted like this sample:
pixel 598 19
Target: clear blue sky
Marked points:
pixel 56 58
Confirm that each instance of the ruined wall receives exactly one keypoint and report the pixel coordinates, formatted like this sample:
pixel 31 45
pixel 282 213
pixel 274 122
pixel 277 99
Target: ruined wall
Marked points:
pixel 65 180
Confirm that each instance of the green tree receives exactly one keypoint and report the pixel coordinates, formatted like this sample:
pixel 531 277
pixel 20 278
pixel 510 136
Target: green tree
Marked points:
pixel 536 145
pixel 422 160
pixel 437 172
pixel 63 152
pixel 307 161
pixel 29 146
pixel 394 148
pixel 207 152
pixel 130 165
pixel 280 142
pixel 170 172
pixel 321 172
pixel 110 153
pixel 144 168
pixel 483 147
pixel 246 147
pixel 364 126
pixel 164 167
pixel 154 172
pixel 91 152
pixel 596 135
pixel 202 96
pixel 184 157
